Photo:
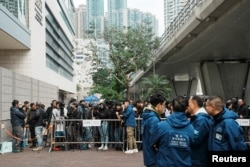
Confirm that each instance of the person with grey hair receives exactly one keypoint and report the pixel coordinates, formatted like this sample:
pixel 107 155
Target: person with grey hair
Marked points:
pixel 202 124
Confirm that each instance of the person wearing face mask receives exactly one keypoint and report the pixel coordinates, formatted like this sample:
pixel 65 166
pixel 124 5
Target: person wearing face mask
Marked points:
pixel 150 118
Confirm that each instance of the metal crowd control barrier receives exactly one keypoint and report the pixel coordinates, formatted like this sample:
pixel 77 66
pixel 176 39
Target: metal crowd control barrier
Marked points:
pixel 75 132
pixel 78 133
pixel 243 122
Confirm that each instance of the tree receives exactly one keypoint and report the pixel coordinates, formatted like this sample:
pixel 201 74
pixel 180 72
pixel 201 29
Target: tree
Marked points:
pixel 102 78
pixel 129 51
pixel 155 83
pixel 106 85
pixel 78 87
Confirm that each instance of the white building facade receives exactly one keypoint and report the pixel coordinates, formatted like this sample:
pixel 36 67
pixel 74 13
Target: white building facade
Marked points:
pixel 36 59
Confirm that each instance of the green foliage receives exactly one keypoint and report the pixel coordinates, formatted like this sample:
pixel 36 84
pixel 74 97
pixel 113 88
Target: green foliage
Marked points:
pixel 106 85
pixel 78 88
pixel 129 51
pixel 102 78
pixel 107 93
pixel 155 83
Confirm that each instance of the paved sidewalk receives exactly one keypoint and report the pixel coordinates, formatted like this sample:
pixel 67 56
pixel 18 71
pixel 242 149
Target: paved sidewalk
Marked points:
pixel 83 158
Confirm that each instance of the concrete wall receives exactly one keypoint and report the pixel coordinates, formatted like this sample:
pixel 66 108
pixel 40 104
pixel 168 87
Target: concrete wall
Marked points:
pixel 187 88
pixel 20 87
pixel 17 60
pixel 226 80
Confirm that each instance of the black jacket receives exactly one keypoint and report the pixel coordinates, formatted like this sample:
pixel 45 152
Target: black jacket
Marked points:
pixel 17 116
pixel 36 117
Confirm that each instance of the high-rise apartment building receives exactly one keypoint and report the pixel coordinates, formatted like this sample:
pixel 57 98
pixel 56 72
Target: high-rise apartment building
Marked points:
pixel 135 17
pixel 95 18
pixel 80 22
pixel 117 13
pixel 36 59
pixel 171 10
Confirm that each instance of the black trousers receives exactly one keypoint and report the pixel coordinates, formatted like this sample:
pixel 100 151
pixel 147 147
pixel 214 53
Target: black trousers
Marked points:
pixel 33 135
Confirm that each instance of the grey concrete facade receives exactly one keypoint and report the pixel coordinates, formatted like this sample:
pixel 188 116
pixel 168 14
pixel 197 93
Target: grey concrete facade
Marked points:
pixel 226 79
pixel 20 87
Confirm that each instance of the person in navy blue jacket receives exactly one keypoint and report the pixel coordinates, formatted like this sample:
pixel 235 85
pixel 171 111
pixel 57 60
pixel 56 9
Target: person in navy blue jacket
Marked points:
pixel 129 116
pixel 225 133
pixel 173 137
pixel 17 121
pixel 150 118
pixel 202 124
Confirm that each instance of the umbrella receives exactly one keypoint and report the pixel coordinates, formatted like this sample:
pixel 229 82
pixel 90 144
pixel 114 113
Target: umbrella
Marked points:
pixel 91 98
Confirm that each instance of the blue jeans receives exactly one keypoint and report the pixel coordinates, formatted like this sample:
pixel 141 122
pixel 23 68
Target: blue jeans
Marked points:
pixel 39 135
pixel 118 136
pixel 25 137
pixel 111 131
pixel 88 135
pixel 103 130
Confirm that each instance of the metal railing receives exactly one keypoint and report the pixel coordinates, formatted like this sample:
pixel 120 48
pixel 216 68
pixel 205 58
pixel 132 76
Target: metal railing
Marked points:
pixel 79 134
pixel 179 20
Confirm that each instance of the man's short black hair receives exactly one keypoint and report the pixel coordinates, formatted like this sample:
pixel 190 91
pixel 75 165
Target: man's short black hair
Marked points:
pixel 126 100
pixel 15 102
pixel 26 102
pixel 156 98
pixel 180 104
pixel 32 104
pixel 198 100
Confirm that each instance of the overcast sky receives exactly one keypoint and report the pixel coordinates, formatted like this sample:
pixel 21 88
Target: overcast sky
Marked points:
pixel 153 6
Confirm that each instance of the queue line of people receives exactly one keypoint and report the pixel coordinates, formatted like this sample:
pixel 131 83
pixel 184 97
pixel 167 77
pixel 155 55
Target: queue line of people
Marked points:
pixel 34 115
pixel 24 119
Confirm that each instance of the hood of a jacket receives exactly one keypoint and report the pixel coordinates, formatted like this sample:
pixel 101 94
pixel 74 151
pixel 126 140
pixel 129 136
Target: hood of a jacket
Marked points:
pixel 178 120
pixel 149 111
pixel 203 114
pixel 226 114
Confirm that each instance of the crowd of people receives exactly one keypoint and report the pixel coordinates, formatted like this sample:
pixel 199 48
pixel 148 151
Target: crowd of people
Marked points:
pixel 33 123
pixel 194 127
pixel 179 132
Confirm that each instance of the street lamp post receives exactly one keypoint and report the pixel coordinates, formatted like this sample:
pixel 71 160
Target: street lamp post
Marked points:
pixel 154 66
pixel 154 59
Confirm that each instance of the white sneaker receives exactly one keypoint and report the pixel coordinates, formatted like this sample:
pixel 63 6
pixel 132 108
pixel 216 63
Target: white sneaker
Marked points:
pixel 100 148
pixel 105 148
pixel 37 148
pixel 89 146
pixel 136 150
pixel 129 152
